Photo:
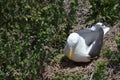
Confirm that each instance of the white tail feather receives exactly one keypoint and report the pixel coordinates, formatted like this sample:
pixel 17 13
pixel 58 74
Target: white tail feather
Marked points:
pixel 105 28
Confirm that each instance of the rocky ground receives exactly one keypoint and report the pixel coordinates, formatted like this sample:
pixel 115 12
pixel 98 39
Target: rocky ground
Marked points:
pixel 66 66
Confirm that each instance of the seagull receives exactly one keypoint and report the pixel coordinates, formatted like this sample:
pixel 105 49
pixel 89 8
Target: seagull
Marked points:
pixel 85 45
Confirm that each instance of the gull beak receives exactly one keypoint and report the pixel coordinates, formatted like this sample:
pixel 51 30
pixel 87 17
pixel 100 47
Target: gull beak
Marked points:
pixel 70 53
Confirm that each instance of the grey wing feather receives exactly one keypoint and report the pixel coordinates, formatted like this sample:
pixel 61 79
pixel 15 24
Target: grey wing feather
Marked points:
pixel 91 36
pixel 88 35
pixel 95 50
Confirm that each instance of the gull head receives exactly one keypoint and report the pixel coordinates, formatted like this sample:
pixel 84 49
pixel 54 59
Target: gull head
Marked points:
pixel 73 39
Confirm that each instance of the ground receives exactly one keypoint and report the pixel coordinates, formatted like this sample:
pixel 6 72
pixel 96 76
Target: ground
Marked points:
pixel 65 66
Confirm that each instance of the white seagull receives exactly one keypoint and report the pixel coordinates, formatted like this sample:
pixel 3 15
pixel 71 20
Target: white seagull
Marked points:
pixel 83 45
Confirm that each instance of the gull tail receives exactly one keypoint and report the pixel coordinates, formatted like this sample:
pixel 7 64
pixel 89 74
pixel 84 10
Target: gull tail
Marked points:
pixel 105 29
pixel 99 24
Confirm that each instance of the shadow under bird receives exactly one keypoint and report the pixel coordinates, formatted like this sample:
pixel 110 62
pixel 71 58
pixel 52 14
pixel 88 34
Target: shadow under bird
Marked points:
pixel 84 45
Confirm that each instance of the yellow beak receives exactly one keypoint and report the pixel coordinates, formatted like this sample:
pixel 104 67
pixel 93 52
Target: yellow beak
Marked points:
pixel 70 54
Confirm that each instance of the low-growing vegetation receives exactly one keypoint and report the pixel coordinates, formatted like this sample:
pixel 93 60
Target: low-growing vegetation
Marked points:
pixel 100 71
pixel 104 10
pixel 31 33
pixel 34 32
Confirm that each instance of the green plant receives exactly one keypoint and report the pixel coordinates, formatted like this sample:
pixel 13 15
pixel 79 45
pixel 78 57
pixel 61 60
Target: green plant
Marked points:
pixel 100 71
pixel 112 56
pixel 26 28
pixel 57 58
pixel 105 10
